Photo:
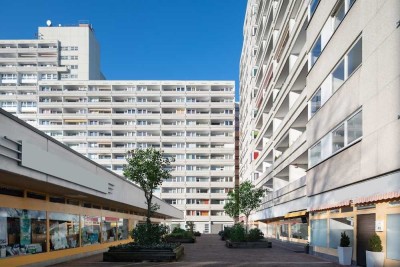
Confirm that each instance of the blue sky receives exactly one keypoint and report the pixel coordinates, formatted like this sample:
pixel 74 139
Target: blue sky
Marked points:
pixel 146 39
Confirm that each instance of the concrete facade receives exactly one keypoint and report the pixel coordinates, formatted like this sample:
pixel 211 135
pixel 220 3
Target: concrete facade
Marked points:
pixel 339 162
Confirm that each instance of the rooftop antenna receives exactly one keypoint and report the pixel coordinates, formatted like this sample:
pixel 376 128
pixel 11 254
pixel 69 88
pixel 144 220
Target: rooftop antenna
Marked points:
pixel 48 22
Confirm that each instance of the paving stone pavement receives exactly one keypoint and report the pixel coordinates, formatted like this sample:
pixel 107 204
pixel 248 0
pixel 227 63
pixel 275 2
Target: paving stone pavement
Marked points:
pixel 209 250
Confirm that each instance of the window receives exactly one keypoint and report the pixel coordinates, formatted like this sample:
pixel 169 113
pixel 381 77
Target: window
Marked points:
pixel 337 226
pixel 90 230
pixel 319 233
pixel 315 52
pixel 338 76
pixel 339 14
pixel 315 154
pixel 64 231
pixel 341 137
pixel 312 7
pixel 354 57
pixel 354 128
pixel 338 138
pixel 73 57
pixel 393 236
pixel 315 103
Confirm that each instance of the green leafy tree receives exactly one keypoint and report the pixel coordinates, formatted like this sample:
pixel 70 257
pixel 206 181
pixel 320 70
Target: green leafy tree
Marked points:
pixel 232 206
pixel 244 200
pixel 147 168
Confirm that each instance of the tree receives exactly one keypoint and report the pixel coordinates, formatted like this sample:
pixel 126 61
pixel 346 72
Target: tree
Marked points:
pixel 244 200
pixel 147 167
pixel 232 206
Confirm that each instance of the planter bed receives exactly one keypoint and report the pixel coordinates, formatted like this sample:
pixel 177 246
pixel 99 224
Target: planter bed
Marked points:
pixel 180 240
pixel 128 254
pixel 256 244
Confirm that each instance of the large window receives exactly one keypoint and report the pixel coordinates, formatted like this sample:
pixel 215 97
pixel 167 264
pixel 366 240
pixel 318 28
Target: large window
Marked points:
pixel 109 229
pixel 337 226
pixel 123 229
pixel 342 136
pixel 393 236
pixel 90 230
pixel 319 229
pixel 315 102
pixel 22 232
pixel 299 230
pixel 64 231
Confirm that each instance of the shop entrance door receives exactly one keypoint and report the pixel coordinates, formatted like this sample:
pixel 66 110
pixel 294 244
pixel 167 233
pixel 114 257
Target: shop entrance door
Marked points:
pixel 365 229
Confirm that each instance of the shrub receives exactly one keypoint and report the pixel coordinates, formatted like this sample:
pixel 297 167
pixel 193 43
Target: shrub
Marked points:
pixel 237 233
pixel 344 240
pixel 178 230
pixel 145 235
pixel 226 233
pixel 197 233
pixel 375 243
pixel 255 235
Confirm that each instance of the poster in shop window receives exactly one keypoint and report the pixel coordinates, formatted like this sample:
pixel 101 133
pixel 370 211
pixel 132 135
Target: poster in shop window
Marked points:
pixel 3 231
pixel 25 237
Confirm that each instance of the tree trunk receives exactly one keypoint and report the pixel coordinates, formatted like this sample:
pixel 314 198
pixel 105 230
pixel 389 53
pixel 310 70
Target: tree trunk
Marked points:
pixel 148 221
pixel 247 222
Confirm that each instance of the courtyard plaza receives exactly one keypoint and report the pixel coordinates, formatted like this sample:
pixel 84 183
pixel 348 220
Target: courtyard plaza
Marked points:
pixel 209 250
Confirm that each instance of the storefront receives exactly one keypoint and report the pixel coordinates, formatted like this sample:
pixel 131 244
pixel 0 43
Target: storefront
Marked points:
pixel 360 219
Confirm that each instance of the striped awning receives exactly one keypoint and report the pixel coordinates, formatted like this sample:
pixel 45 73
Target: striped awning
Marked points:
pixel 331 205
pixel 376 197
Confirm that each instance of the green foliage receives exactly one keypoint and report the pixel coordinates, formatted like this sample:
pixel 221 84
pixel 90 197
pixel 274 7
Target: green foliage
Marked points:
pixel 190 226
pixel 255 235
pixel 237 233
pixel 147 168
pixel 375 243
pixel 197 233
pixel 180 233
pixel 232 206
pixel 149 235
pixel 244 200
pixel 226 233
pixel 344 240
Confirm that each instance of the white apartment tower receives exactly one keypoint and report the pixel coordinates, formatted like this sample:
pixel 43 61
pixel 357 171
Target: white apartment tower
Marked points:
pixel 55 84
pixel 320 131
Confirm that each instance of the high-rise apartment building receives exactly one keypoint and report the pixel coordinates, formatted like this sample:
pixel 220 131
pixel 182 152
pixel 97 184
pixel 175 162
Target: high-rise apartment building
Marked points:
pixel 55 84
pixel 320 105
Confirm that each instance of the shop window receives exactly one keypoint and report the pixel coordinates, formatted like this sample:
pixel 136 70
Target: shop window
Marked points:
pixel 284 230
pixel 123 229
pixel 319 233
pixel 393 236
pixel 337 226
pixel 87 205
pixel 64 231
pixel 36 195
pixel 109 229
pixel 22 232
pixel 299 230
pixel 90 230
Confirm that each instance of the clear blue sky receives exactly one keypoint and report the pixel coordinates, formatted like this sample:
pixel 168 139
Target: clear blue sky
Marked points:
pixel 146 39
